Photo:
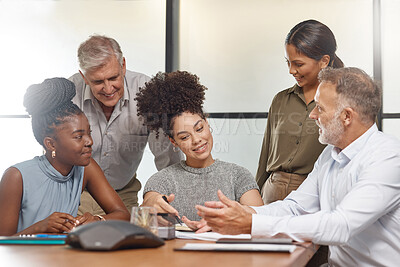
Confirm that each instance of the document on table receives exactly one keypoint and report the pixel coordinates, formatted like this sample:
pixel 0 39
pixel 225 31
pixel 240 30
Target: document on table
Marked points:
pixel 237 247
pixel 208 236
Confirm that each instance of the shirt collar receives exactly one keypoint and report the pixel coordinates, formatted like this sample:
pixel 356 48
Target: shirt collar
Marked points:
pixel 125 97
pixel 347 154
pixel 299 92
pixel 51 172
pixel 87 94
pixel 295 89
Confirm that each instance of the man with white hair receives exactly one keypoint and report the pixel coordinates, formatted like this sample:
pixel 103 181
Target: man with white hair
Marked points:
pixel 106 92
pixel 351 199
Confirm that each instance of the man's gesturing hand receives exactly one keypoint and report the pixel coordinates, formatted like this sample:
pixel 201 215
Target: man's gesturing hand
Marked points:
pixel 226 216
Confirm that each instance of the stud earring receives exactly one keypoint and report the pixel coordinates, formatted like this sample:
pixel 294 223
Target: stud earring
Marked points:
pixel 211 129
pixel 175 149
pixel 53 154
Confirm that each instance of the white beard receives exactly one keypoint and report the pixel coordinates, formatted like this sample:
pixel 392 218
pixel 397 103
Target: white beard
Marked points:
pixel 332 131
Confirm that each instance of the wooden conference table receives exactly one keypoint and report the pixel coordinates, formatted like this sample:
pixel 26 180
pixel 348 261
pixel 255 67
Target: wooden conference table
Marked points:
pixel 164 256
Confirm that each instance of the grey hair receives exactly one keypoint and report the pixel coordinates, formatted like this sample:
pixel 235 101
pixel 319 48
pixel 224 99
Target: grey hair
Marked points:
pixel 355 89
pixel 96 51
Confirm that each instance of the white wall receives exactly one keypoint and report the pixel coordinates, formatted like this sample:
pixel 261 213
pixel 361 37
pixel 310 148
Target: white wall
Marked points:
pixel 40 39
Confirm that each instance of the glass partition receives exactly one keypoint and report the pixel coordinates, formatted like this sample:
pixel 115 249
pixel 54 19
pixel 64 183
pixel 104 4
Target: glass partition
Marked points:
pixel 390 55
pixel 236 47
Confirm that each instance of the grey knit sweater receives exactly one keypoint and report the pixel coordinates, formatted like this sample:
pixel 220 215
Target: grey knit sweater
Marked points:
pixel 193 186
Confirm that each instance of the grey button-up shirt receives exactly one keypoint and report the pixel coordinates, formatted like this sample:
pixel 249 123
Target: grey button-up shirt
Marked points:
pixel 118 144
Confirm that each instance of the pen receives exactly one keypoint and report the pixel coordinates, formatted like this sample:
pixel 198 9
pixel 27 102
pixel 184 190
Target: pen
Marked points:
pixel 176 217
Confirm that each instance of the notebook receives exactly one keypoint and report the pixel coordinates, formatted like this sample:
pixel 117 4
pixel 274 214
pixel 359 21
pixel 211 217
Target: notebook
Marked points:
pixel 40 239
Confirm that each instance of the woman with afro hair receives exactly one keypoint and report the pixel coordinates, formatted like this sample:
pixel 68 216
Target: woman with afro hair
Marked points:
pixel 173 102
pixel 42 195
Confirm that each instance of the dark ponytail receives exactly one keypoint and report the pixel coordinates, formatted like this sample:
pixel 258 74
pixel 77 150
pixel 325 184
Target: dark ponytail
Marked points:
pixel 314 39
pixel 336 62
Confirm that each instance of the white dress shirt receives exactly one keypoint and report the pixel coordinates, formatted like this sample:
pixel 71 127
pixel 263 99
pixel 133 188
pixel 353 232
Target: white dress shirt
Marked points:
pixel 119 143
pixel 350 201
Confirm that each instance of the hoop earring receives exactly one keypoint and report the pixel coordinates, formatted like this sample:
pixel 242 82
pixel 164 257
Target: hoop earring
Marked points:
pixel 175 149
pixel 53 154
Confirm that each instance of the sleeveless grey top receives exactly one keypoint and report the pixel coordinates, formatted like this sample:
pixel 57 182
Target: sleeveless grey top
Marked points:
pixel 46 191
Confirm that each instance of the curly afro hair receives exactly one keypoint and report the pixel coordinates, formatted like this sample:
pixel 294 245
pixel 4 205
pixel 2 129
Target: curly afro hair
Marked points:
pixel 168 95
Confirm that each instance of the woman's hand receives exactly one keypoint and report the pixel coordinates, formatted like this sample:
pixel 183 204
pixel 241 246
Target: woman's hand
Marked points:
pixel 58 222
pixel 87 218
pixel 198 226
pixel 154 199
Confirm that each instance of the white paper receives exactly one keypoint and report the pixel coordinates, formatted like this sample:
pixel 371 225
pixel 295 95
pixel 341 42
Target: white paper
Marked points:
pixel 238 247
pixel 208 236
